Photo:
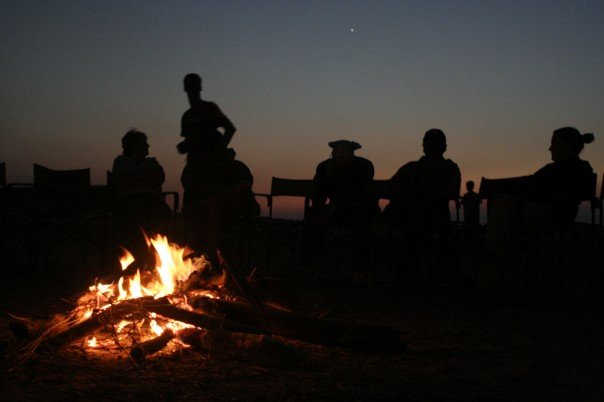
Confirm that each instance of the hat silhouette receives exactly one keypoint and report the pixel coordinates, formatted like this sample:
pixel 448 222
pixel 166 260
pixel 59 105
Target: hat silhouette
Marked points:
pixel 345 143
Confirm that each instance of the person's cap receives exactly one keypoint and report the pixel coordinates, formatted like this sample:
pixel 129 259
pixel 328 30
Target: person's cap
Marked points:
pixel 345 143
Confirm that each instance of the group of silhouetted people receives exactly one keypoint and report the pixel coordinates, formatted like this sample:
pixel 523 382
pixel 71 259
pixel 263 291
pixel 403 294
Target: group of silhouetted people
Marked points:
pixel 217 186
pixel 218 190
pixel 419 194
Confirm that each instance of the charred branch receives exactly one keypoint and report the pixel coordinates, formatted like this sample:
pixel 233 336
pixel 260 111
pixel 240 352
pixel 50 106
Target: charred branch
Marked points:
pixel 202 320
pixel 356 336
pixel 144 349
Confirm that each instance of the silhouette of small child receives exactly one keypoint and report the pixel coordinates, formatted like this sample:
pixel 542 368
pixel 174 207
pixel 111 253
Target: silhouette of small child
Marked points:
pixel 471 205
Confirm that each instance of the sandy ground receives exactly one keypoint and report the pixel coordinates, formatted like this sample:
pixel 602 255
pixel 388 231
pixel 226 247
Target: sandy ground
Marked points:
pixel 459 343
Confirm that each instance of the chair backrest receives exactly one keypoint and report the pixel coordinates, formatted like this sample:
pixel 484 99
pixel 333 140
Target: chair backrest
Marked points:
pixel 291 188
pixel 76 178
pixel 2 174
pixel 65 192
pixel 521 185
pixel 512 185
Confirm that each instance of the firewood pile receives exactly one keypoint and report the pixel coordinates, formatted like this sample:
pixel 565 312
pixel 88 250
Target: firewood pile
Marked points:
pixel 182 303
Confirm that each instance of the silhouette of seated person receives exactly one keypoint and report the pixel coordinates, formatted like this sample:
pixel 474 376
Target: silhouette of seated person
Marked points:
pixel 544 202
pixel 420 192
pixel 471 205
pixel 137 179
pixel 342 197
pixel 217 194
pixel 204 123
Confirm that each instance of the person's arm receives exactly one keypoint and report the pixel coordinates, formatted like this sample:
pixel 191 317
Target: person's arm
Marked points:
pixel 455 183
pixel 319 194
pixel 362 192
pixel 152 172
pixel 225 123
pixel 229 130
pixel 398 185
pixel 121 171
pixel 367 182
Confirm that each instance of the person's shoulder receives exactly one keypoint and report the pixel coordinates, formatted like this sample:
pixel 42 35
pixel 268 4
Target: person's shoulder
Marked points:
pixel 546 168
pixel 325 164
pixel 210 106
pixel 406 169
pixel 151 160
pixel 362 161
pixel 119 160
pixel 450 164
pixel 409 165
pixel 585 165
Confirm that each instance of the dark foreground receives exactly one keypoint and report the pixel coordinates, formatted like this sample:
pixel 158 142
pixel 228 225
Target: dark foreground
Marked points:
pixel 459 344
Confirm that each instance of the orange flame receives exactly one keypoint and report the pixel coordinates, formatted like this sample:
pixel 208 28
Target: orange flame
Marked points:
pixel 171 270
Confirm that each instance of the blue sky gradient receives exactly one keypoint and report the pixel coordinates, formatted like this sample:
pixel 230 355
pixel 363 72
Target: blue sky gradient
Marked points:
pixel 497 77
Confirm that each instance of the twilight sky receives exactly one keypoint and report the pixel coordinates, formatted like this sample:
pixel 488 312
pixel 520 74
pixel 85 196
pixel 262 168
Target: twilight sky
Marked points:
pixel 497 76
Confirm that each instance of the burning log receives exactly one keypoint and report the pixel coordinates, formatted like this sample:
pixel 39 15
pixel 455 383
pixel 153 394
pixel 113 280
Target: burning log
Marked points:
pixel 144 349
pixel 97 321
pixel 203 320
pixel 362 337
pixel 142 305
pixel 193 337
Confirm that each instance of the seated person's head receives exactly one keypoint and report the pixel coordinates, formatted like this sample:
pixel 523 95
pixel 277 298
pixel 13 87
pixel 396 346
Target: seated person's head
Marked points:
pixel 434 143
pixel 134 145
pixel 567 143
pixel 470 185
pixel 342 151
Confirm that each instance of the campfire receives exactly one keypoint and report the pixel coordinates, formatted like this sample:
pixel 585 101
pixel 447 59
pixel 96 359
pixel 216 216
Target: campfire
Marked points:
pixel 182 302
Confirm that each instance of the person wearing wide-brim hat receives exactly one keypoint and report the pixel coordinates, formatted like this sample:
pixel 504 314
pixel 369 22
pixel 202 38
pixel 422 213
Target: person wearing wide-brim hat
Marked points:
pixel 343 196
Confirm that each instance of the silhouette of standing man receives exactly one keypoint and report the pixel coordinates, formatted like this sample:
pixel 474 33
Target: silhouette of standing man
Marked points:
pixel 200 124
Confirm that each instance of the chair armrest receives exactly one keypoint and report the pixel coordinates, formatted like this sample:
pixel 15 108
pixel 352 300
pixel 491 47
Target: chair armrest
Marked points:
pixel 596 204
pixel 13 185
pixel 175 199
pixel 269 202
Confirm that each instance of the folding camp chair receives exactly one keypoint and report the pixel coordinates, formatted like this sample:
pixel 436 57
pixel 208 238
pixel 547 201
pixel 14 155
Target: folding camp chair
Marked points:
pixel 550 259
pixel 61 213
pixel 267 236
pixel 16 223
